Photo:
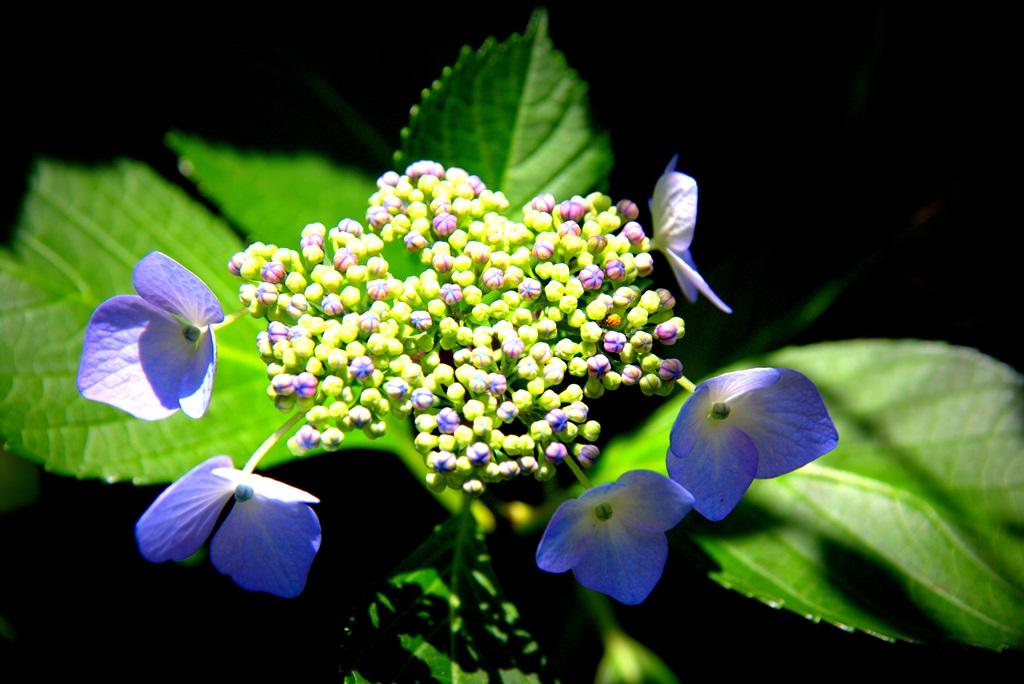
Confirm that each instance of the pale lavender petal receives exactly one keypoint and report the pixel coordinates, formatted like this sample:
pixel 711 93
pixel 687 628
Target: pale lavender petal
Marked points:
pixel 730 387
pixel 622 562
pixel 267 545
pixel 182 517
pixel 568 535
pixel 648 501
pixel 197 381
pixel 133 358
pixel 674 209
pixel 165 283
pixel 688 278
pixel 716 466
pixel 787 421
pixel 267 487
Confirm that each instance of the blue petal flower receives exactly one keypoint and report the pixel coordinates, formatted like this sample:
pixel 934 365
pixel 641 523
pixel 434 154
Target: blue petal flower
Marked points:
pixel 152 354
pixel 613 536
pixel 674 210
pixel 761 423
pixel 267 543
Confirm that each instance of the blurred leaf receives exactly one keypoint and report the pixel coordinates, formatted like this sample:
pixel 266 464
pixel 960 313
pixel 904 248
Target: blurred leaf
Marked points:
pixel 627 661
pixel 913 527
pixel 271 196
pixel 19 482
pixel 515 114
pixel 441 617
pixel 6 630
pixel 80 234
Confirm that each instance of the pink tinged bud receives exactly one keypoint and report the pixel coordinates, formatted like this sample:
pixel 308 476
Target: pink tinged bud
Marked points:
pixel 667 333
pixel 350 226
pixel 556 452
pixel 507 411
pixel 396 388
pixel 544 202
pixel 614 342
pixel 311 240
pixel 569 227
pixel 442 461
pixel 451 294
pixel 377 290
pixel 369 322
pixel 422 398
pixel 571 210
pixel 392 204
pixel 493 278
pixel 512 348
pixel 332 305
pixel 277 331
pixel 421 320
pixel 297 331
pixel 633 232
pixel 345 259
pixel 477 383
pixel 529 289
pixel 480 253
pixel 377 217
pixel 668 302
pixel 477 184
pixel 308 437
pixel 442 262
pixel 591 277
pixel 273 272
pixel 415 242
pixel 615 270
pixel 509 469
pixel 305 385
pixel 424 168
pixel 282 385
pixel 478 453
pixel 236 262
pixel 388 179
pixel 670 370
pixel 587 455
pixel 266 293
pixel 598 366
pixel 631 375
pixel 361 367
pixel 498 384
pixel 445 224
pixel 644 264
pixel 628 209
pixel 543 249
pixel 596 244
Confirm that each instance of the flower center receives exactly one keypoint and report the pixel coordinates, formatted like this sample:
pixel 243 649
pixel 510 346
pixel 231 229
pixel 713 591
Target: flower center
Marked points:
pixel 191 333
pixel 603 511
pixel 243 492
pixel 719 410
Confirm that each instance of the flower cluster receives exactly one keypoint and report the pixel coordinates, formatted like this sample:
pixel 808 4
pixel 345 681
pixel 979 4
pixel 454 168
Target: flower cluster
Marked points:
pixel 493 348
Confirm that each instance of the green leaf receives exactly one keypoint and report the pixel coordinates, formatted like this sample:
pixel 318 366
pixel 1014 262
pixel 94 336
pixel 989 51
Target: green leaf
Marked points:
pixel 19 482
pixel 80 234
pixel 441 617
pixel 912 527
pixel 515 114
pixel 271 196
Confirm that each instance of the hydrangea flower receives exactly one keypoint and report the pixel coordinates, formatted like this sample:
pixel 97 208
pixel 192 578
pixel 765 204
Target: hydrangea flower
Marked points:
pixel 153 353
pixel 613 536
pixel 267 542
pixel 762 423
pixel 674 210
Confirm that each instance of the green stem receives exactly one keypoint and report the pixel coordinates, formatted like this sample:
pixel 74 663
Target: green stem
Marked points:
pixel 577 471
pixel 601 610
pixel 686 384
pixel 231 318
pixel 270 441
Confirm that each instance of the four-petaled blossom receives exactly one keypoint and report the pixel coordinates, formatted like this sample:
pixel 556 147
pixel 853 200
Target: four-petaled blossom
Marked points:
pixel 761 422
pixel 613 536
pixel 674 210
pixel 267 542
pixel 153 353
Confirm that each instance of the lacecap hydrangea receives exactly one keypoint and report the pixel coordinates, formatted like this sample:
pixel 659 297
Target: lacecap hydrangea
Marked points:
pixel 493 348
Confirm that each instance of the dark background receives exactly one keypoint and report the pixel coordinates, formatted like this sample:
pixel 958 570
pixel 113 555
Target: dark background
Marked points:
pixel 863 150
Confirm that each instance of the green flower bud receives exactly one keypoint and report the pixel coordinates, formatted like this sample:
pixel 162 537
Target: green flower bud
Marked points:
pixel 593 389
pixel 650 383
pixel 591 431
pixel 473 409
pixel 611 380
pixel 523 399
pixel 637 317
pixel 570 394
pixel 331 438
pixel 549 400
pixel 536 387
pixel 578 367
pixel 591 332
